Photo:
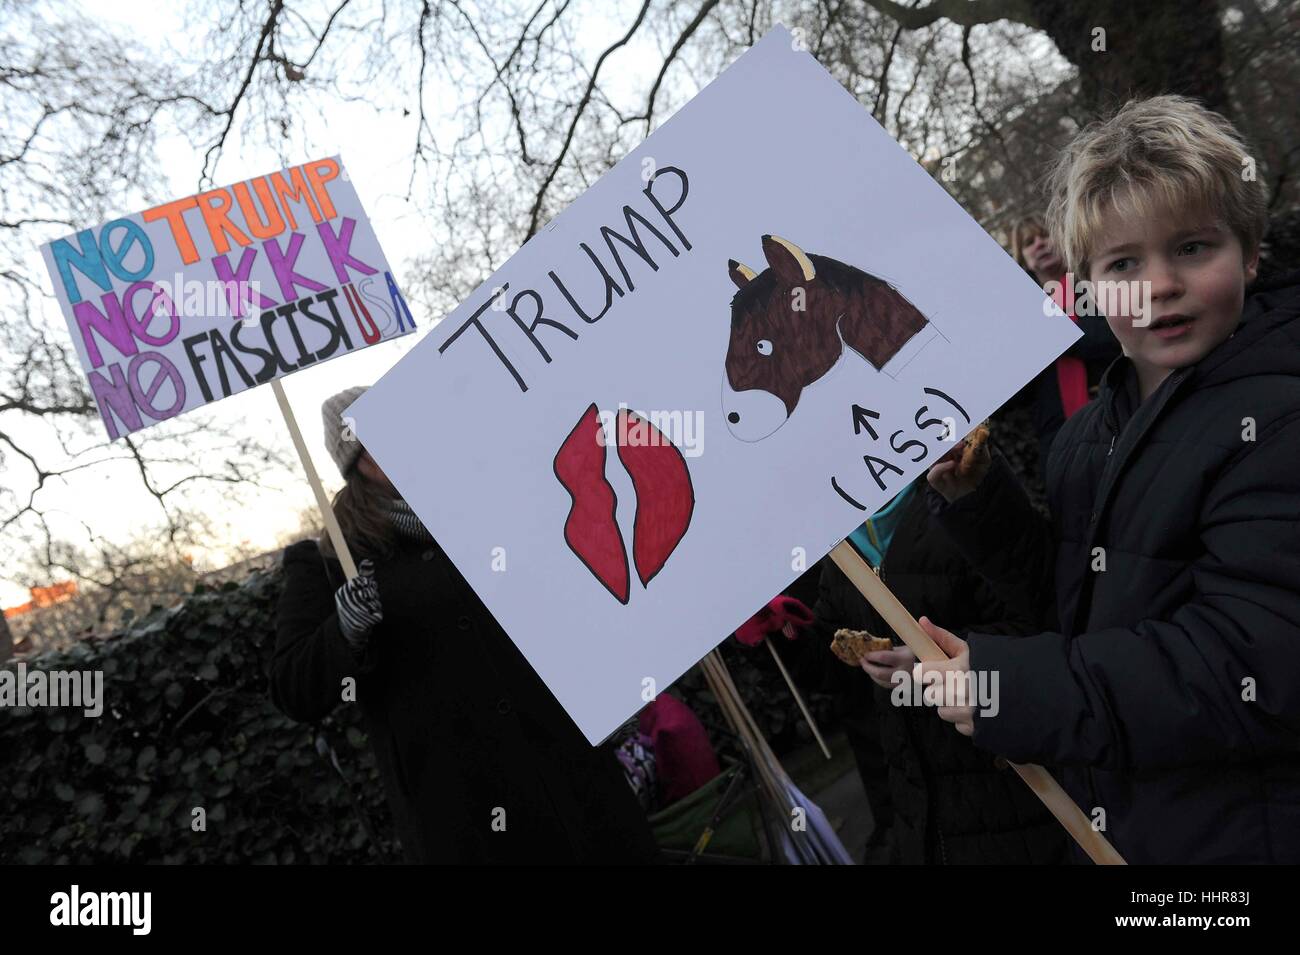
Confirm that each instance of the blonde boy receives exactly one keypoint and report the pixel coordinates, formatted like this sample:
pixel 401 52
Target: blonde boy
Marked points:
pixel 1167 688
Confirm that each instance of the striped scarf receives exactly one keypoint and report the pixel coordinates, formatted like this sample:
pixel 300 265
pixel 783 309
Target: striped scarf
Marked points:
pixel 403 519
pixel 357 601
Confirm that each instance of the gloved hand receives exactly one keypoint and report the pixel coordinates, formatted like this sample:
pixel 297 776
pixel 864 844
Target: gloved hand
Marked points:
pixel 784 614
pixel 358 606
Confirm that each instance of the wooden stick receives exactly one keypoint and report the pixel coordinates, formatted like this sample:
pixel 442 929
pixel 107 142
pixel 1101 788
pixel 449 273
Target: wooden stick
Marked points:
pixel 1046 788
pixel 737 714
pixel 803 707
pixel 749 726
pixel 726 703
pixel 728 700
pixel 322 502
pixel 769 766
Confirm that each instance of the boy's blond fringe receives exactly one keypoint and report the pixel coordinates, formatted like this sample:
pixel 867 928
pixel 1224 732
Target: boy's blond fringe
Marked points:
pixel 1152 156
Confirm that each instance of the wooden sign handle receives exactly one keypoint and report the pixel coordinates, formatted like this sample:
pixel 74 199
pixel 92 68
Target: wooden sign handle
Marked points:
pixel 1046 788
pixel 322 502
pixel 798 697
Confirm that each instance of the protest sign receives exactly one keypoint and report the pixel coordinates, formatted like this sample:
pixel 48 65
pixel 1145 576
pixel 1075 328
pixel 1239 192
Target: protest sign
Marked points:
pixel 742 340
pixel 207 295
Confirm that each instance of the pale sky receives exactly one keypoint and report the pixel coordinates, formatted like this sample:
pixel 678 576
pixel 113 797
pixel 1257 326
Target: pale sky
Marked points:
pixel 377 150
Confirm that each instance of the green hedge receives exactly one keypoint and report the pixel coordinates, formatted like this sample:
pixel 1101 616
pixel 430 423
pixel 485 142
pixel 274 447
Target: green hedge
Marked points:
pixel 187 723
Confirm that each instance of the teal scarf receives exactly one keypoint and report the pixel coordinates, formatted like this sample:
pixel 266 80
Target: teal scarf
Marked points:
pixel 873 537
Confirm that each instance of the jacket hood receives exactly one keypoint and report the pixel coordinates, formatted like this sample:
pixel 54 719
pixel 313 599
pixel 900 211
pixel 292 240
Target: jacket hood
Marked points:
pixel 1267 342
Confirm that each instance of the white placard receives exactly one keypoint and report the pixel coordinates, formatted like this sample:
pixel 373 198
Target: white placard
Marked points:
pixel 784 433
pixel 207 295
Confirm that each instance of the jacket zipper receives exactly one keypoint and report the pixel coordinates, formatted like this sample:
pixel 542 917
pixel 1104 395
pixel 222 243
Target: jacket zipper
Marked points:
pixel 1104 488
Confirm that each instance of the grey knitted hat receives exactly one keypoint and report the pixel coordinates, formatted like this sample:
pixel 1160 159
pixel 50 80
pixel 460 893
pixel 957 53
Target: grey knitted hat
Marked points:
pixel 340 440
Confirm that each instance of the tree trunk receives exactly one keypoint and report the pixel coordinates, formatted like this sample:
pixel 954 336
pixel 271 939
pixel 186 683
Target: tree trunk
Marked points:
pixel 6 639
pixel 1167 46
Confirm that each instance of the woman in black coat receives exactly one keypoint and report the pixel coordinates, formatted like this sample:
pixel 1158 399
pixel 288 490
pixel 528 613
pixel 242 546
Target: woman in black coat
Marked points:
pixel 950 803
pixel 479 761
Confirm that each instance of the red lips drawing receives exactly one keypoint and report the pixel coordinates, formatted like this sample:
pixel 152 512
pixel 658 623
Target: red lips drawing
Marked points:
pixel 665 498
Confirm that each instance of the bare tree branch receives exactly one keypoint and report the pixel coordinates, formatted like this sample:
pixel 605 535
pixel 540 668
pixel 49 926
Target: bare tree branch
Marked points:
pixel 534 215
pixel 967 13
pixel 265 42
pixel 685 36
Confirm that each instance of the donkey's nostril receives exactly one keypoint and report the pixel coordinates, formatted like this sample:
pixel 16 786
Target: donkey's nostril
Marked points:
pixel 751 415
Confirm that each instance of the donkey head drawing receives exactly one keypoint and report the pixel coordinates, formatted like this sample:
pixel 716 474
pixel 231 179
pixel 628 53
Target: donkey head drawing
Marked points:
pixel 790 324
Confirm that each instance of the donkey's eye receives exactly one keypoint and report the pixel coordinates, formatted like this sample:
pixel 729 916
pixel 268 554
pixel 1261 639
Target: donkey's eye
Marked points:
pixel 764 347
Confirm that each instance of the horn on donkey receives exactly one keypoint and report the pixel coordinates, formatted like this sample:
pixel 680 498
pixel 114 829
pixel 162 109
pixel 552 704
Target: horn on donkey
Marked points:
pixel 782 254
pixel 740 273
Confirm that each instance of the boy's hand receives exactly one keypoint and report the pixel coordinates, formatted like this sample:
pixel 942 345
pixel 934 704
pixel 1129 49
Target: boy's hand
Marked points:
pixel 881 665
pixel 956 710
pixel 949 480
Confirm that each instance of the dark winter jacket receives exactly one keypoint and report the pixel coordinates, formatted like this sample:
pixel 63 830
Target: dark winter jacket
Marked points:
pixel 480 763
pixel 951 803
pixel 1168 688
pixel 1097 348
